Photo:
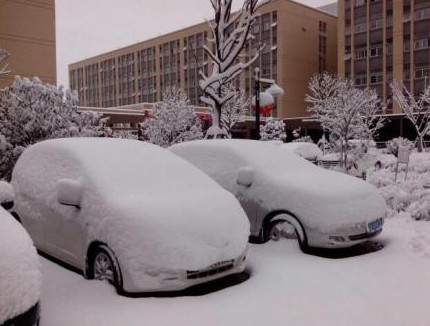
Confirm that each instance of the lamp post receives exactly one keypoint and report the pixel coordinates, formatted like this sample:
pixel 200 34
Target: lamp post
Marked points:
pixel 257 102
pixel 273 91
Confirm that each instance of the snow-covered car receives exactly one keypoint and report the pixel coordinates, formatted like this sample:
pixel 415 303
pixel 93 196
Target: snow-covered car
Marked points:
pixel 128 212
pixel 282 193
pixel 309 151
pixel 20 275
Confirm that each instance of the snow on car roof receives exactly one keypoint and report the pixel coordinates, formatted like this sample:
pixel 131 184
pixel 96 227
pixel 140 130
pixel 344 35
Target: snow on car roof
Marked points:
pixel 284 179
pixel 20 276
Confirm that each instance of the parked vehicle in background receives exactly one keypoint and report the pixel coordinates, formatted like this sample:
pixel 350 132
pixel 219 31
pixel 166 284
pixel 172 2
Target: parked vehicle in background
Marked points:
pixel 20 275
pixel 128 212
pixel 309 151
pixel 6 195
pixel 282 193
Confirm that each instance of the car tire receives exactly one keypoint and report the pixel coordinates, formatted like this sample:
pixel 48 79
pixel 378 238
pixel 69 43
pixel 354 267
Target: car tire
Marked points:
pixel 104 266
pixel 270 232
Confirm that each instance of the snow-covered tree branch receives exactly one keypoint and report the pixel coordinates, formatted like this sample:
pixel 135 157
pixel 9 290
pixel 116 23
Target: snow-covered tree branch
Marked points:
pixel 416 109
pixel 172 120
pixel 230 32
pixel 234 109
pixel 3 65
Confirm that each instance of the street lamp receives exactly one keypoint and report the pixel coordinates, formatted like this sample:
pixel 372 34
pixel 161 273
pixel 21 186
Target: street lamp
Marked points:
pixel 273 91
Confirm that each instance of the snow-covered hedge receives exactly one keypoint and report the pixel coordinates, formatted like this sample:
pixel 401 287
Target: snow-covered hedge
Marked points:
pixel 411 195
pixel 32 111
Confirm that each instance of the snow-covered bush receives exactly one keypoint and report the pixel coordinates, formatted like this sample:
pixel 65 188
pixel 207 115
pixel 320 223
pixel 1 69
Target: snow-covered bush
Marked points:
pixel 411 195
pixel 31 111
pixel 304 139
pixel 125 134
pixel 393 145
pixel 420 209
pixel 172 120
pixel 274 129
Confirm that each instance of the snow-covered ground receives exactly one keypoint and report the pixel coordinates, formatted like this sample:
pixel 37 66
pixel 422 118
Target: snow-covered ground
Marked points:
pixel 390 286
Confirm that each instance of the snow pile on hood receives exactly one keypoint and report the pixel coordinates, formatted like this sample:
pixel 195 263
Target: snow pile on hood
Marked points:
pixel 153 209
pixel 285 181
pixel 20 276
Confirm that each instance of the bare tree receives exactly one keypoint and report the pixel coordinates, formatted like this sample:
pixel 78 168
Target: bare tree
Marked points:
pixel 416 109
pixel 343 110
pixel 230 32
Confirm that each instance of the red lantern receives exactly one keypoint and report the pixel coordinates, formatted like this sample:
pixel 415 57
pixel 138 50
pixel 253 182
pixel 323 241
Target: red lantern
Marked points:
pixel 267 103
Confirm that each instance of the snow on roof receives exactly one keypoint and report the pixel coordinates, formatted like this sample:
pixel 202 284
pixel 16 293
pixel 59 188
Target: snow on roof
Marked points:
pixel 151 207
pixel 284 180
pixel 20 276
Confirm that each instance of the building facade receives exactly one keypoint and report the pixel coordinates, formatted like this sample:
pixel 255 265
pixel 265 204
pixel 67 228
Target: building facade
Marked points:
pixel 27 32
pixel 299 42
pixel 381 41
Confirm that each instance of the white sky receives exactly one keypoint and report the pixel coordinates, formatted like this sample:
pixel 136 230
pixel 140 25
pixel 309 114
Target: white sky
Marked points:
pixel 86 28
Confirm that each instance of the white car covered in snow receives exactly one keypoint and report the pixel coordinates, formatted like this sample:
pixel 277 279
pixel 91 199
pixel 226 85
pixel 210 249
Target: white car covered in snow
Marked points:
pixel 20 275
pixel 309 151
pixel 282 193
pixel 128 212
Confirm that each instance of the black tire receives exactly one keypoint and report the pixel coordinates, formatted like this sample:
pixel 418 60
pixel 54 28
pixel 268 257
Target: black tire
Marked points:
pixel 301 239
pixel 103 265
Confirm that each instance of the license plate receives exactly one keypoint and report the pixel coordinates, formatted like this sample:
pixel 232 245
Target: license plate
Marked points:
pixel 375 225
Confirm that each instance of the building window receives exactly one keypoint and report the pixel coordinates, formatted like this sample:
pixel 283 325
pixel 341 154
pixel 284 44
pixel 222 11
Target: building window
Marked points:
pixel 376 79
pixel 421 44
pixel 376 24
pixel 375 52
pixel 389 48
pixel 422 14
pixel 361 53
pixel 361 80
pixel 360 3
pixel 359 28
pixel 421 73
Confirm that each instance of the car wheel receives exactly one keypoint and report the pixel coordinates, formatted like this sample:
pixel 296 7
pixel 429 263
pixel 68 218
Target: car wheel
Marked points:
pixel 288 227
pixel 105 267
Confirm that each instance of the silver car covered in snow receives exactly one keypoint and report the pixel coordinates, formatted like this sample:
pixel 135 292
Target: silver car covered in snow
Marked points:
pixel 284 194
pixel 128 212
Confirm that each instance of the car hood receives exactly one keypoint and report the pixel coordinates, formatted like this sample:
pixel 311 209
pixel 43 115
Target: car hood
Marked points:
pixel 321 198
pixel 179 231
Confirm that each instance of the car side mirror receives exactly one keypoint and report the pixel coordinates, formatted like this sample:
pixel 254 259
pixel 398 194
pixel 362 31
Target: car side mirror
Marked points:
pixel 245 176
pixel 69 192
pixel 7 195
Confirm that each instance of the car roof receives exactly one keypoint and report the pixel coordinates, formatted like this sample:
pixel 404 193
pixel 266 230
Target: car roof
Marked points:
pixel 121 164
